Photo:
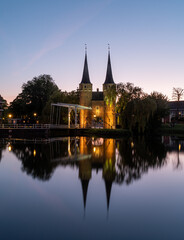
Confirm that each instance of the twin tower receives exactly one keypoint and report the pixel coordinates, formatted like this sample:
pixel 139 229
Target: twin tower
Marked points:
pixel 102 113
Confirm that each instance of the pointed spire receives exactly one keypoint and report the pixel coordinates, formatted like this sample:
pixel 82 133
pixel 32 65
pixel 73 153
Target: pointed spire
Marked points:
pixel 109 77
pixel 85 76
pixel 84 190
pixel 108 186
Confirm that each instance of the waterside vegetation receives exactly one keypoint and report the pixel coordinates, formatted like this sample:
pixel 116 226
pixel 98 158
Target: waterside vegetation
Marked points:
pixel 136 111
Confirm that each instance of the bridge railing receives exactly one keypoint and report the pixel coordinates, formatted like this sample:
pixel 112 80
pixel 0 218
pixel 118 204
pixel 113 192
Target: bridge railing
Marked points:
pixel 24 126
pixel 72 126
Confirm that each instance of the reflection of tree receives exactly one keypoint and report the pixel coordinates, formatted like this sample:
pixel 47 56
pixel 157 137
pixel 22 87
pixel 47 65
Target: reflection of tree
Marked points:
pixel 35 160
pixel 135 158
pixel 2 147
pixel 176 146
pixel 38 159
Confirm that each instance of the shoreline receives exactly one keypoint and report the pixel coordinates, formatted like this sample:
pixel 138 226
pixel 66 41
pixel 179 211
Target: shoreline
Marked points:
pixel 164 130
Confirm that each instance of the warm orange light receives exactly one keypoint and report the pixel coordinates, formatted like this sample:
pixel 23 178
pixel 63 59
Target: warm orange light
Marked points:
pixel 9 148
pixel 34 114
pixel 94 149
pixel 179 147
pixel 34 152
pixel 10 115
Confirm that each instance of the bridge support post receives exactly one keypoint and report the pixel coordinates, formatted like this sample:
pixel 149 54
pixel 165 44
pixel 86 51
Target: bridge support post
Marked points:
pixel 75 117
pixel 69 111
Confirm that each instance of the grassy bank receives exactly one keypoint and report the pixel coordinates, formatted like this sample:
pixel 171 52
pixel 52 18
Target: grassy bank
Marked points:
pixel 166 129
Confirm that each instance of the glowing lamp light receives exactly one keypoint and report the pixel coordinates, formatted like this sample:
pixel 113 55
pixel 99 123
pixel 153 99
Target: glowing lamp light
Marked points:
pixel 94 149
pixel 179 147
pixel 34 114
pixel 10 115
pixel 9 148
pixel 34 152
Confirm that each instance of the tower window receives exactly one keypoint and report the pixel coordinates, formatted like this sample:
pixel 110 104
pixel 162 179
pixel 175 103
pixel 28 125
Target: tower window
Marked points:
pixel 84 86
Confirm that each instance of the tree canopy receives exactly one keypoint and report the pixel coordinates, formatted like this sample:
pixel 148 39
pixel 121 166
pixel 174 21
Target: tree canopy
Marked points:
pixel 139 111
pixel 34 96
pixel 177 94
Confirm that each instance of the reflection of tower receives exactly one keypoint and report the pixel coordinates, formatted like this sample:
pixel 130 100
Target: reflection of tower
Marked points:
pixel 85 175
pixel 84 168
pixel 85 88
pixel 109 166
pixel 109 111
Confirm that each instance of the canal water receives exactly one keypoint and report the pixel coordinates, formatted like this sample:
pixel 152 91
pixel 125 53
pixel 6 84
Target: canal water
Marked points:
pixel 92 188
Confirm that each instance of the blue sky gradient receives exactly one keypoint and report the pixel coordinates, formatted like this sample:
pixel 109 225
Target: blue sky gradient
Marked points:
pixel 48 37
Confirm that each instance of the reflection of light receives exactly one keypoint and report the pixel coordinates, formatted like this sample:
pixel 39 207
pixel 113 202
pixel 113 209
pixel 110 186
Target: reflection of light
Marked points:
pixel 132 144
pixel 97 141
pixel 94 149
pixel 9 148
pixel 179 147
pixel 34 152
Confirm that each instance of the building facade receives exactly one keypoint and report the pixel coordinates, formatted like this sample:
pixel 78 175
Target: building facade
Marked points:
pixel 102 113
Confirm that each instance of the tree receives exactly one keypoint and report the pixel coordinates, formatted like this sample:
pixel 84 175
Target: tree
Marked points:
pixel 62 97
pixel 3 109
pixel 177 95
pixel 161 111
pixel 138 113
pixel 34 96
pixel 126 92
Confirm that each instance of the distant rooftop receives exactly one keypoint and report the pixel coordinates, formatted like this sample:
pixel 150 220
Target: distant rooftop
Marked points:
pixel 176 104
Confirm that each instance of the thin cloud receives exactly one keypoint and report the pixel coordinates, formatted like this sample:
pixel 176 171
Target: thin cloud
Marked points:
pixel 59 39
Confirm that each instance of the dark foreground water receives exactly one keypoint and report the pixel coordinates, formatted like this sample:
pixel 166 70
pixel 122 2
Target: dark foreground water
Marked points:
pixel 87 188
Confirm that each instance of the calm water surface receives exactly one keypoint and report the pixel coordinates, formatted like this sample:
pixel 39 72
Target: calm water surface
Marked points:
pixel 92 188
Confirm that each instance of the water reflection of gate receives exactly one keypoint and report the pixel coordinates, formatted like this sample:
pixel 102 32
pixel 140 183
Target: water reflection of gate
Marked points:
pixel 87 154
pixel 120 161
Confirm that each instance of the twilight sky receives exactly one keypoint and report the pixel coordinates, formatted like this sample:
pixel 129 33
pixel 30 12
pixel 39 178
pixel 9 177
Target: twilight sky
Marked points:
pixel 48 37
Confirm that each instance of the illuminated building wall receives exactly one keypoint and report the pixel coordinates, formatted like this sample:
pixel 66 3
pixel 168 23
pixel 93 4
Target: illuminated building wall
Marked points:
pixel 85 100
pixel 98 110
pixel 101 112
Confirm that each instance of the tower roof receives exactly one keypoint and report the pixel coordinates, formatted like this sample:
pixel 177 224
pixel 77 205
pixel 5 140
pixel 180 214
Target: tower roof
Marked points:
pixel 108 186
pixel 84 190
pixel 109 77
pixel 85 76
